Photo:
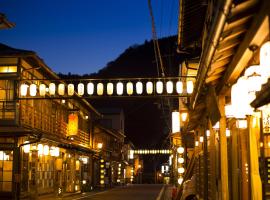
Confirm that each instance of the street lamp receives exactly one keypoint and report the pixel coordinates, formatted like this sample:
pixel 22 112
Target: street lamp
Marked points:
pixel 99 145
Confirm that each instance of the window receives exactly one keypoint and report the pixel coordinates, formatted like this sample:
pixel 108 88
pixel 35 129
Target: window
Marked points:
pixel 6 161
pixel 8 69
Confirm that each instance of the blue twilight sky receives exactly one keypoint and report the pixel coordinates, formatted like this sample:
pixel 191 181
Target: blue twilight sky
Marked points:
pixel 82 36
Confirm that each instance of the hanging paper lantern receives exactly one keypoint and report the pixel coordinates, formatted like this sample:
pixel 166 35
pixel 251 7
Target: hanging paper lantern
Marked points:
pixel 42 89
pixel 184 116
pixel 264 61
pixel 159 87
pixel 40 149
pixel 52 89
pixel 90 88
pixel 70 89
pixel 23 89
pixel 189 87
pixel 139 87
pixel 119 88
pixel 61 89
pixel 180 150
pixel 26 148
pixel 72 126
pixel 254 78
pixel 109 88
pixel 179 87
pixel 100 89
pixel 180 180
pixel 181 160
pixel 169 87
pixel 175 122
pixel 181 170
pixel 46 150
pixel 129 88
pixel 229 111
pixel 33 90
pixel 149 87
pixel 80 89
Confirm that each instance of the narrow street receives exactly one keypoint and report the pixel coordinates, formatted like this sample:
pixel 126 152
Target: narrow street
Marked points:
pixel 131 192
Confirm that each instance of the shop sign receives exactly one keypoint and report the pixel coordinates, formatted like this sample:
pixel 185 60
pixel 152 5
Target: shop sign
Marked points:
pixel 266 120
pixel 72 128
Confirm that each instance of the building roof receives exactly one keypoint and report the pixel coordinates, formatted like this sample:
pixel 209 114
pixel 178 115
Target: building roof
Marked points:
pixel 4 23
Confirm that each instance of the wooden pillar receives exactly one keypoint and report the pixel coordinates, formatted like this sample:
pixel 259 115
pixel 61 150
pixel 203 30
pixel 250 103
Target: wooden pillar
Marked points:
pixel 205 163
pixel 212 156
pixel 235 166
pixel 223 150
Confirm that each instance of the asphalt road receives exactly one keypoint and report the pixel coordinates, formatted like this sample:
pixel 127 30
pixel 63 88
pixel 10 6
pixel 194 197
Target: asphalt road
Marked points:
pixel 131 192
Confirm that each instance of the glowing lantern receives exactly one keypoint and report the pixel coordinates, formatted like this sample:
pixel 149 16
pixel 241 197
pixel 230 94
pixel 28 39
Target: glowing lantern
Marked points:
pixel 24 89
pixel 139 87
pixel 119 88
pixel 46 150
pixel 56 151
pixel 26 148
pixel 189 87
pixel 181 160
pixel 180 150
pixel 196 143
pixel 72 127
pixel 181 170
pixel 80 89
pixel 100 89
pixel 179 87
pixel 99 145
pixel 207 133
pixel 33 90
pixel 180 180
pixel 129 88
pixel 70 89
pixel 216 126
pixel 264 61
pixel 61 89
pixel 169 87
pixel 52 89
pixel 254 78
pixel 184 116
pixel 242 124
pixel 40 149
pixel 201 139
pixel 109 88
pixel 42 89
pixel 228 133
pixel 149 87
pixel 228 111
pixel 159 87
pixel 175 122
pixel 90 88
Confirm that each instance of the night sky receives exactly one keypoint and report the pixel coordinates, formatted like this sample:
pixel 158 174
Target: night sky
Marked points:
pixel 82 36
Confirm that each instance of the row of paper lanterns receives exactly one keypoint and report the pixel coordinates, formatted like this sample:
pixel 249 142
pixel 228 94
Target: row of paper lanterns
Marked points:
pixel 52 89
pixel 42 149
pixel 180 160
pixel 145 151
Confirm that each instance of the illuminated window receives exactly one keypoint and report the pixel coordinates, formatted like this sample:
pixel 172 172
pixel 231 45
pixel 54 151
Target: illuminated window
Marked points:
pixel 8 69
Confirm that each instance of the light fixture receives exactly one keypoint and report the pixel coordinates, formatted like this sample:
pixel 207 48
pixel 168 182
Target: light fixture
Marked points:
pixel 159 87
pixel 181 160
pixel 109 88
pixel 180 150
pixel 81 89
pixel 70 89
pixel 181 170
pixel 119 88
pixel 42 90
pixel 61 89
pixel 23 89
pixel 228 133
pixel 179 87
pixel 175 122
pixel 90 88
pixel 184 116
pixel 149 87
pixel 216 126
pixel 26 147
pixel 40 149
pixel 241 123
pixel 254 79
pixel 207 133
pixel 264 61
pixel 33 90
pixel 99 145
pixel 196 143
pixel 229 111
pixel 189 87
pixel 100 88
pixel 46 150
pixel 129 88
pixel 139 87
pixel 201 139
pixel 52 88
pixel 169 87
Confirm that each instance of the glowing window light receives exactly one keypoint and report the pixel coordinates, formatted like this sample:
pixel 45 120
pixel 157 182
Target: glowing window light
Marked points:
pixel 175 122
pixel 190 87
pixel 139 87
pixel 52 89
pixel 26 148
pixel 149 87
pixel 40 149
pixel 33 90
pixel 119 88
pixel 228 133
pixel 109 88
pixel 201 139
pixel 162 169
pixel 184 116
pixel 56 151
pixel 241 124
pixel 169 87
pixel 100 88
pixel 46 150
pixel 42 89
pixel 179 87
pixel 80 89
pixel 181 170
pixel 61 89
pixel 90 88
pixel 159 87
pixel 196 143
pixel 129 88
pixel 70 89
pixel 264 61
pixel 23 89
pixel 181 160
pixel 180 180
pixel 207 133
pixel 180 150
